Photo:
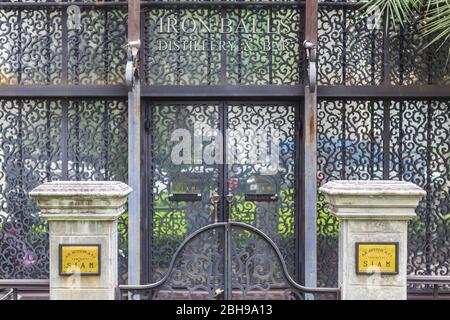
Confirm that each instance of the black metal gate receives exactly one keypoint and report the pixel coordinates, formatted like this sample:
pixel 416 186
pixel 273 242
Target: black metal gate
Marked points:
pixel 228 226
pixel 251 203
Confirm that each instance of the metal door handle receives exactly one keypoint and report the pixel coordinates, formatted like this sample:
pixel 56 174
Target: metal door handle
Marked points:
pixel 188 197
pixel 261 197
pixel 215 201
pixel 229 205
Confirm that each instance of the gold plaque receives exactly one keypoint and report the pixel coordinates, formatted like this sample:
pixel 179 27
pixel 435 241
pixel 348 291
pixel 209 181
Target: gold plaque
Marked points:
pixel 377 257
pixel 81 259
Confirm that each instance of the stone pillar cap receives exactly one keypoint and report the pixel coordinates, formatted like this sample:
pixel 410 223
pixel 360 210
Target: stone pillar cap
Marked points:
pixel 372 188
pixel 81 200
pixel 81 189
pixel 373 199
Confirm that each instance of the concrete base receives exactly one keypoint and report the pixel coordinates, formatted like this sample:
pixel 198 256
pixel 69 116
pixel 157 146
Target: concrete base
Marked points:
pixel 372 211
pixel 375 286
pixel 83 213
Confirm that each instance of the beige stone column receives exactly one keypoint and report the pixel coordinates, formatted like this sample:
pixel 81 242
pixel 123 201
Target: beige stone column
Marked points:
pixel 82 216
pixel 374 215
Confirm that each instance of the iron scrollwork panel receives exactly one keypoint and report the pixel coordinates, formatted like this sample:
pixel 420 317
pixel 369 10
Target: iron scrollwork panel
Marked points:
pixel 261 155
pixel 412 63
pixel 182 172
pixel 420 154
pixel 257 273
pixel 226 260
pixel 29 155
pixel 390 139
pixel 45 140
pixel 190 45
pixel 174 217
pixel 96 47
pixel 350 50
pixel 171 57
pixel 356 51
pixel 33 38
pixel 97 150
pixel 270 57
pixel 195 272
pixel 30 46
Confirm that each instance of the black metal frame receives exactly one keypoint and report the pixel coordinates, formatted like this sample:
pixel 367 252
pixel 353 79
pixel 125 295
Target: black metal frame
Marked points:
pixel 147 181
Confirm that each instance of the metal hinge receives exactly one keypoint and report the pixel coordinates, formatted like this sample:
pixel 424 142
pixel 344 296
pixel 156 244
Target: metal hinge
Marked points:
pixel 147 124
pixel 300 127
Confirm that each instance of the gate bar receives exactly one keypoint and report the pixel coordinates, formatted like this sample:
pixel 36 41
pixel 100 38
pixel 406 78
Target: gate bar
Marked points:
pixel 226 92
pixel 310 159
pixel 134 156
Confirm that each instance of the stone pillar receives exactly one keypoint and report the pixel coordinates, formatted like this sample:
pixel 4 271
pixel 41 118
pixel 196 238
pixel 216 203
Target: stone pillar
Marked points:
pixel 373 216
pixel 82 219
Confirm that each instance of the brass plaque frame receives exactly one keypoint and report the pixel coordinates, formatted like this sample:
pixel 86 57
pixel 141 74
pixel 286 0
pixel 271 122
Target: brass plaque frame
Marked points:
pixel 357 268
pixel 99 249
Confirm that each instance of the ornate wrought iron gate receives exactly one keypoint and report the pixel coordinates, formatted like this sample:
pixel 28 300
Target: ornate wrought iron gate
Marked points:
pixel 228 228
pixel 253 204
pixel 178 198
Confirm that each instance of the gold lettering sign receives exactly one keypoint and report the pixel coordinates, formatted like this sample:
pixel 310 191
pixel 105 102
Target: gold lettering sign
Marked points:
pixel 81 259
pixel 377 257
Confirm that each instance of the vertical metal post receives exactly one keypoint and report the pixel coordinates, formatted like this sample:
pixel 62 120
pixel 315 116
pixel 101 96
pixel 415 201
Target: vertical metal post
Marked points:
pixel 310 156
pixel 134 157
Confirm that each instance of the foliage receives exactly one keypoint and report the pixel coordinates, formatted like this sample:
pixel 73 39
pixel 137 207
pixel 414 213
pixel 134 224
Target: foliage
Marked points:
pixel 437 21
pixel 433 16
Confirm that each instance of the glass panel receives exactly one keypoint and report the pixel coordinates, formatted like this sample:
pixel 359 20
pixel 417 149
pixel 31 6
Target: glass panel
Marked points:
pixel 179 170
pixel 30 46
pixel 33 145
pixel 261 160
pixel 350 49
pixel 97 48
pixel 32 41
pixel 211 46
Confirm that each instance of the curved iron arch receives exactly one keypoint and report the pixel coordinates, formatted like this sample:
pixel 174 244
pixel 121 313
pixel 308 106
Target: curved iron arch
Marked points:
pixel 223 225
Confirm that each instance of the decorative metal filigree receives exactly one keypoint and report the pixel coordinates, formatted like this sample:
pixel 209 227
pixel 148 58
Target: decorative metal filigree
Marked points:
pixel 355 143
pixel 226 260
pixel 35 148
pixel 32 41
pixel 30 46
pixel 257 273
pixel 96 140
pixel 420 153
pixel 198 271
pixel 277 219
pixel 280 59
pixel 173 221
pixel 97 149
pixel 349 53
pixel 179 54
pixel 97 51
pixel 29 155
pixel 352 51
